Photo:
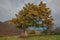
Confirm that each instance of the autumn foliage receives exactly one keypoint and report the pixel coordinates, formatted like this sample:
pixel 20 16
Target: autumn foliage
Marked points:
pixel 34 15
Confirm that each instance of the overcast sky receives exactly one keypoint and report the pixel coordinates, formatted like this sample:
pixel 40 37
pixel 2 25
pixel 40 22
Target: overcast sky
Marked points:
pixel 8 8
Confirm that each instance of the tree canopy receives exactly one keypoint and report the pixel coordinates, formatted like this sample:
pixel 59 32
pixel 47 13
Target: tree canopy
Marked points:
pixel 34 15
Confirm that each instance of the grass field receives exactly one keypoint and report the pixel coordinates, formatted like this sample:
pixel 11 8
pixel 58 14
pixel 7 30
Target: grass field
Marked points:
pixel 33 37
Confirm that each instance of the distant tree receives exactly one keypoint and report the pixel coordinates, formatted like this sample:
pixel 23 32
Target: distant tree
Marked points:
pixel 34 15
pixel 57 30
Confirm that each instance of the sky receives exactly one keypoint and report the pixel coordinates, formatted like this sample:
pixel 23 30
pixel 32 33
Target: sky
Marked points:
pixel 8 8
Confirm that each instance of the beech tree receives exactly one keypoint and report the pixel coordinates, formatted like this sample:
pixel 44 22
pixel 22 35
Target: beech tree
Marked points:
pixel 34 15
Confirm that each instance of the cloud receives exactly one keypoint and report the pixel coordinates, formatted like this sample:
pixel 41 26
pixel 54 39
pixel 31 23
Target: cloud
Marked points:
pixel 8 8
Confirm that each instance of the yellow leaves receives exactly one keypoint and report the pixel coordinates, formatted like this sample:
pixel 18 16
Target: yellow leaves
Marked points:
pixel 14 19
pixel 46 10
pixel 49 12
pixel 33 12
pixel 42 4
pixel 30 6
pixel 36 13
pixel 48 22
pixel 51 24
pixel 43 8
pixel 45 17
pixel 28 24
pixel 30 13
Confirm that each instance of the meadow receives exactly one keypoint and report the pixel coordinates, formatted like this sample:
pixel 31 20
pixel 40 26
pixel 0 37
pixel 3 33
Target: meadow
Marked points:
pixel 33 37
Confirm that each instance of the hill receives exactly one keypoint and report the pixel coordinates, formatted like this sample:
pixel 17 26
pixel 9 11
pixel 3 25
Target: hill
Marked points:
pixel 8 29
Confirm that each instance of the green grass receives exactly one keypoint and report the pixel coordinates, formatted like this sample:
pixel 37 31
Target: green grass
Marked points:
pixel 33 37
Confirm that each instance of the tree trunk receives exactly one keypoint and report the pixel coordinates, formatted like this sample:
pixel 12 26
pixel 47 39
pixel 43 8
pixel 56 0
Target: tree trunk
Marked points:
pixel 23 32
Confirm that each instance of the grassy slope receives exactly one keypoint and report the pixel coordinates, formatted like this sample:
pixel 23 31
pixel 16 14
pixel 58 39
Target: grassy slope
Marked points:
pixel 33 37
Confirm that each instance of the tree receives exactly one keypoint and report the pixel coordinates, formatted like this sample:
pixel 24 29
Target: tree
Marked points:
pixel 34 15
